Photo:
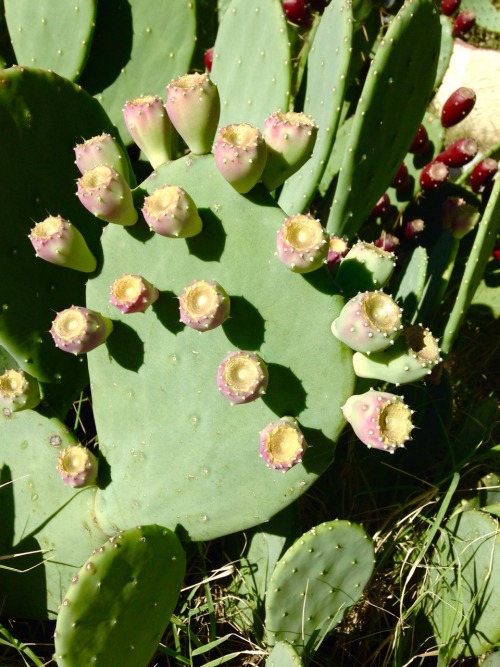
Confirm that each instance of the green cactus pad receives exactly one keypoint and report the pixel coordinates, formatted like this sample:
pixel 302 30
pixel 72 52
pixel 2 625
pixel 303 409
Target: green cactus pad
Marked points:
pixel 463 603
pixel 42 117
pixel 40 35
pixel 392 104
pixel 487 15
pixel 314 584
pixel 410 285
pixel 283 655
pixel 252 62
pixel 38 513
pixel 119 603
pixel 327 69
pixel 179 452
pixel 155 44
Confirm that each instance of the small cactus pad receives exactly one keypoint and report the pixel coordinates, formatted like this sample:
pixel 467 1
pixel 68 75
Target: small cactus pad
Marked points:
pixel 119 603
pixel 463 595
pixel 369 322
pixel 379 419
pixel 283 655
pixel 320 576
pixel 77 466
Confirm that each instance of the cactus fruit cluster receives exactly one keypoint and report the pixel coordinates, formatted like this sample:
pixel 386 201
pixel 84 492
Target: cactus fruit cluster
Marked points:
pixel 209 291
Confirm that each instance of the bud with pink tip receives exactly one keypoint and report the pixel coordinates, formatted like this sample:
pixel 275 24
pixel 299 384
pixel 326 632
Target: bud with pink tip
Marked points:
pixel 369 322
pixel 379 419
pixel 204 305
pixel 150 127
pixel 483 172
pixel 458 105
pixel 193 106
pixel 170 211
pixel 282 444
pixel 105 193
pixel 459 153
pixel 459 217
pixel 18 391
pixel 290 139
pixel 57 241
pixel 463 23
pixel 79 330
pixel 433 175
pixel 302 243
pixel 240 155
pixel 101 150
pixel 77 466
pixel 132 294
pixel 337 250
pixel 242 377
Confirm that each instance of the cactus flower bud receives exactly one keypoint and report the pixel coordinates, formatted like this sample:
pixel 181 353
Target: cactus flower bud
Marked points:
pixel 410 359
pixel 337 250
pixel 457 106
pixel 240 155
pixel 204 305
pixel 242 377
pixel 365 267
pixel 105 193
pixel 379 419
pixel 459 217
pixel 77 466
pixel 80 330
pixel 18 391
pixel 102 150
pixel 459 153
pixel 57 241
pixel 132 294
pixel 170 211
pixel 282 444
pixel 290 139
pixel 193 106
pixel 302 243
pixel 483 172
pixel 150 127
pixel 369 322
pixel 433 175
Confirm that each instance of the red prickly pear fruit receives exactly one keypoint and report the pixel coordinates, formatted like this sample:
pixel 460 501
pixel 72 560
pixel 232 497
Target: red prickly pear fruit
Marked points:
pixel 459 153
pixel 204 305
pixel 77 466
pixel 240 155
pixel 463 23
pixel 297 11
pixel 412 228
pixel 57 241
pixel 208 58
pixel 420 144
pixel 242 377
pixel 79 330
pixel 387 242
pixel 401 180
pixel 485 194
pixel 449 7
pixel 132 294
pixel 496 254
pixel 433 175
pixel 383 207
pixel 483 173
pixel 282 444
pixel 458 105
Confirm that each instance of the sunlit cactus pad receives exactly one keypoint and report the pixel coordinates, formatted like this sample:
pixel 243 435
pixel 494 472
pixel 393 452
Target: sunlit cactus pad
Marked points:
pixel 179 452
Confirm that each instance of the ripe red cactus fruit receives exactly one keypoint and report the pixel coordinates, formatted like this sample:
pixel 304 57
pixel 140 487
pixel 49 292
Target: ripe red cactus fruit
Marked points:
pixel 383 207
pixel 297 11
pixel 412 228
pixel 449 7
pixel 458 105
pixel 402 179
pixel 387 242
pixel 433 175
pixel 208 58
pixel 420 144
pixel 483 173
pixel 463 23
pixel 496 254
pixel 459 153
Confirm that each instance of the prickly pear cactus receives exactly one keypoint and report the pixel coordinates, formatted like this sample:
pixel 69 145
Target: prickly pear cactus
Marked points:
pixel 121 600
pixel 314 584
pixel 283 655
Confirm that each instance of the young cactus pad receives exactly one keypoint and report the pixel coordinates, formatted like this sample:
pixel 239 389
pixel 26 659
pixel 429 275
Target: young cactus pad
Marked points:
pixel 178 451
pixel 119 603
pixel 317 580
